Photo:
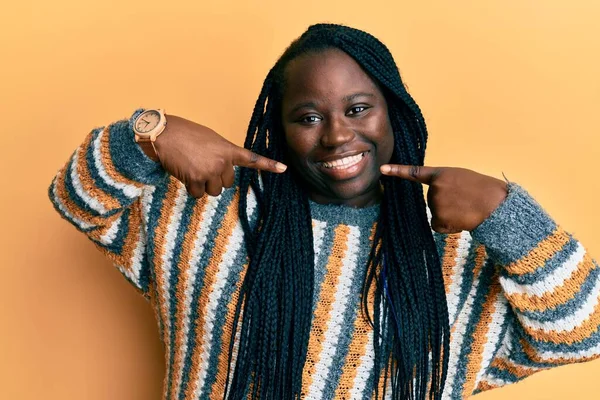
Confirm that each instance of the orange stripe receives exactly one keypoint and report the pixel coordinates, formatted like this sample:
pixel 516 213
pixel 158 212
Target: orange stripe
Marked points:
pixel 581 332
pixel 187 248
pixel 480 258
pixel 449 259
pixel 220 245
pixel 125 257
pixel 484 385
pixel 74 210
pixel 358 346
pixel 356 350
pixel 380 384
pixel 326 297
pixel 218 387
pixel 166 212
pixel 154 302
pixel 539 256
pixel 517 370
pixel 480 336
pixel 87 181
pixel 560 295
pixel 107 162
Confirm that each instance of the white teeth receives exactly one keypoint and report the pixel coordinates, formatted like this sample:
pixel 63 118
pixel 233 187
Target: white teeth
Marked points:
pixel 344 162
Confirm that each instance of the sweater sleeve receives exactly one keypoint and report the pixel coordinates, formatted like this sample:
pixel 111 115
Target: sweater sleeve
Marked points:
pixel 103 191
pixel 551 284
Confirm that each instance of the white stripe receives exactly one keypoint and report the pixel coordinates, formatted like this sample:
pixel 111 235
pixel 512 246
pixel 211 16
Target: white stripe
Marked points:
pixel 457 339
pixel 167 259
pixel 169 242
pixel 550 282
pixel 139 252
pixel 318 235
pixel 146 197
pixel 495 381
pixel 363 370
pixel 111 233
pixel 572 320
pixel 138 255
pixel 570 356
pixel 127 273
pixel 493 335
pixel 214 298
pixel 429 215
pixel 234 350
pixel 80 223
pixel 453 296
pixel 335 319
pixel 251 206
pixel 92 202
pixel 198 248
pixel 130 191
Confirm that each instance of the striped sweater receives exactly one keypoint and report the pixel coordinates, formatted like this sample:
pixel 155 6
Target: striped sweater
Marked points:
pixel 523 294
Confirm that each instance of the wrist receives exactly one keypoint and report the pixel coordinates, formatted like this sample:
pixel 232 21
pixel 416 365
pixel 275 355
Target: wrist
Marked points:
pixel 148 125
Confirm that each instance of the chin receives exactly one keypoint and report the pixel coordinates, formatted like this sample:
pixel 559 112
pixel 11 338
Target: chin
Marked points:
pixel 349 192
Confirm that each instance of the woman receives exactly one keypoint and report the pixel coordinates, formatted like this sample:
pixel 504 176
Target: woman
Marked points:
pixel 317 273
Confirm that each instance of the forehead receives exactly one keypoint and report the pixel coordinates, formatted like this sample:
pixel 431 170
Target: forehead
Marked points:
pixel 330 74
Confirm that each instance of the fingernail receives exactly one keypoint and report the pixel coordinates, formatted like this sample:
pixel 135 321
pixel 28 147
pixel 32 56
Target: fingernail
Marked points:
pixel 280 167
pixel 385 169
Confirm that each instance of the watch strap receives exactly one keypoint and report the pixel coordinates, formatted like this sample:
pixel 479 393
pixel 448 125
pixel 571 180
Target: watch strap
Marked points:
pixel 149 149
pixel 145 143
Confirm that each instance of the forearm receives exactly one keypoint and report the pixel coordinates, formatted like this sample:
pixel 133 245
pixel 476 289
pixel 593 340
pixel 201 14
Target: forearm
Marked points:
pixel 103 177
pixel 550 280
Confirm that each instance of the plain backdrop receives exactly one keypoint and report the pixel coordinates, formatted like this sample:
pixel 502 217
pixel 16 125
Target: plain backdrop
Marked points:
pixel 505 85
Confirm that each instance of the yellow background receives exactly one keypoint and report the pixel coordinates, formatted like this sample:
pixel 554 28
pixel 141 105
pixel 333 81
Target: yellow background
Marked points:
pixel 505 85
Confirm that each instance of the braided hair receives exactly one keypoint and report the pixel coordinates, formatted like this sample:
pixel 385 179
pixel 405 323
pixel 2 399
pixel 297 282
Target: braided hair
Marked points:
pixel 274 311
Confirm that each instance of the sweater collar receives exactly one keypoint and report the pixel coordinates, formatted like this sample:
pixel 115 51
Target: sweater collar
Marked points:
pixel 341 214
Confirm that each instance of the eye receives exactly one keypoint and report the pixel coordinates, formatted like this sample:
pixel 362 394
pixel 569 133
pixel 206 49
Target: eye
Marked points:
pixel 309 119
pixel 356 110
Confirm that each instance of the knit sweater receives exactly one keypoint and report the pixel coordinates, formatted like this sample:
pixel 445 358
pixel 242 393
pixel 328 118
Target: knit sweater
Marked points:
pixel 523 294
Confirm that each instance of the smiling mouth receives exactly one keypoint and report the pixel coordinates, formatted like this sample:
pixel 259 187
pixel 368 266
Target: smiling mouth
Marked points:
pixel 345 162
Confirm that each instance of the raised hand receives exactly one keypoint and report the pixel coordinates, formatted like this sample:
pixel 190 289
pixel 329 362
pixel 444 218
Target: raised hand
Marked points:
pixel 202 159
pixel 459 199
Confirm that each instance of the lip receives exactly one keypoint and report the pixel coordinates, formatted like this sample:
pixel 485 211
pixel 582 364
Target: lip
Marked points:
pixel 345 173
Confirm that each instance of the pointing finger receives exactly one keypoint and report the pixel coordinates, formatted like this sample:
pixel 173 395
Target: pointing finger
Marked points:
pixel 416 173
pixel 246 158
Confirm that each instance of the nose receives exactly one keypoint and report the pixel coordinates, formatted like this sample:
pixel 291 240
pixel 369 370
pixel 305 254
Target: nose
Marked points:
pixel 336 133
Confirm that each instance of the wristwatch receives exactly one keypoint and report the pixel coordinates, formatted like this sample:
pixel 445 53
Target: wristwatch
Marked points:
pixel 148 126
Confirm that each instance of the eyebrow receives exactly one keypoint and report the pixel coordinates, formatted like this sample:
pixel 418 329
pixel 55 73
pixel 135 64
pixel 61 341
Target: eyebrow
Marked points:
pixel 308 104
pixel 348 98
pixel 351 97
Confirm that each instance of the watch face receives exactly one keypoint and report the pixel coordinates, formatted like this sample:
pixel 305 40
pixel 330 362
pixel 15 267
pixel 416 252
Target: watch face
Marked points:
pixel 147 121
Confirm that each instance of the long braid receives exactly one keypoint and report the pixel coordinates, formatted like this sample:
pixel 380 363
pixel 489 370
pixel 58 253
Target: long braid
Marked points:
pixel 410 316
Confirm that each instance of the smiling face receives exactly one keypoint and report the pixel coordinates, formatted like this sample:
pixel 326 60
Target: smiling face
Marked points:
pixel 337 128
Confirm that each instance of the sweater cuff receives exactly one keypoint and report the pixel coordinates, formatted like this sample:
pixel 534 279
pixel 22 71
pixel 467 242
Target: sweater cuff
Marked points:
pixel 515 227
pixel 128 157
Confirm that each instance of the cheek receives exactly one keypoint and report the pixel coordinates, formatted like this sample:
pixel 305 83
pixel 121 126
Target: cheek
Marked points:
pixel 385 141
pixel 298 148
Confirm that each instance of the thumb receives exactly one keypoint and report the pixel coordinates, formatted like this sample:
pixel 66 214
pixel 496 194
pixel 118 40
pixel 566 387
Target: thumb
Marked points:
pixel 245 158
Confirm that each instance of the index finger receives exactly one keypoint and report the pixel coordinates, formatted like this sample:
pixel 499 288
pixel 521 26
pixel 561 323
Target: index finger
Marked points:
pixel 245 158
pixel 415 173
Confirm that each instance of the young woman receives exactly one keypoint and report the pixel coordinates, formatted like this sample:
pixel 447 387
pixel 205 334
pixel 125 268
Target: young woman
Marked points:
pixel 320 272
